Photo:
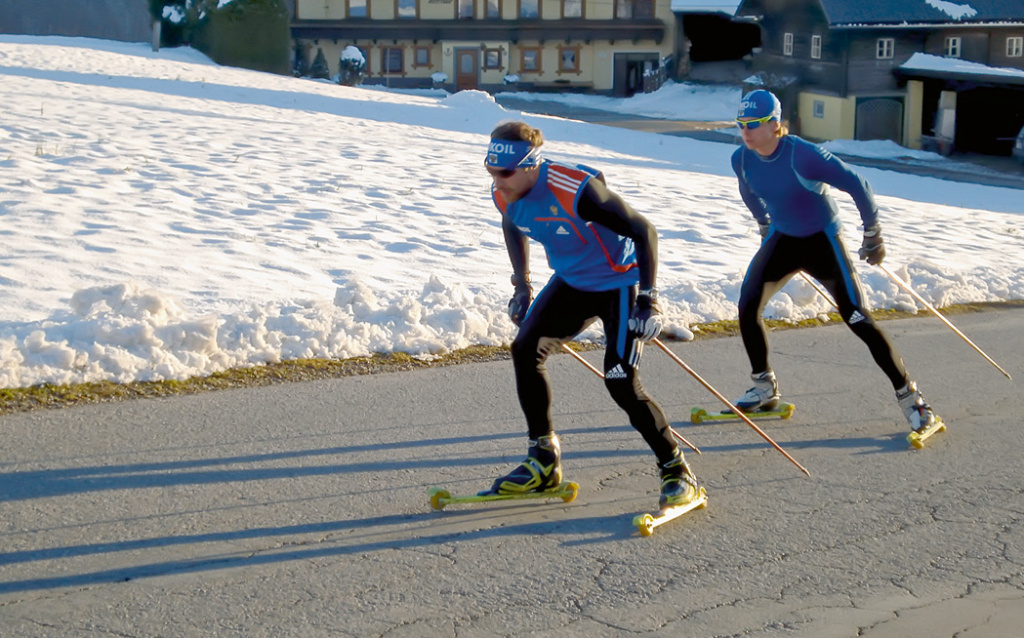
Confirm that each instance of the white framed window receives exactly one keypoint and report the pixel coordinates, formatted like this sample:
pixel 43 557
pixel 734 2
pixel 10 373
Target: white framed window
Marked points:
pixel 358 9
pixel 406 9
pixel 787 44
pixel 392 60
pixel 572 8
pixel 529 60
pixel 816 47
pixel 819 109
pixel 885 48
pixel 492 58
pixel 1015 47
pixel 569 59
pixel 529 9
pixel 634 8
pixel 951 49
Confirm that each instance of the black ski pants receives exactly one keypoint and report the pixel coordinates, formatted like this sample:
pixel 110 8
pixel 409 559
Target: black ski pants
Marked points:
pixel 825 258
pixel 559 313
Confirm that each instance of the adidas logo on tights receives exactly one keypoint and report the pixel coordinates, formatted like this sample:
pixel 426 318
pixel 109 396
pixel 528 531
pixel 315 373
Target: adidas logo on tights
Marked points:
pixel 616 373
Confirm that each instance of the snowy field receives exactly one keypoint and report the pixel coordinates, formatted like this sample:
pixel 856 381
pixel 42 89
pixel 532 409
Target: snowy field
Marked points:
pixel 162 217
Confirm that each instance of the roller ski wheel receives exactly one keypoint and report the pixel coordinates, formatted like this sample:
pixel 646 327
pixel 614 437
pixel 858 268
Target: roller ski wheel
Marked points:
pixel 916 438
pixel 440 497
pixel 646 523
pixel 783 411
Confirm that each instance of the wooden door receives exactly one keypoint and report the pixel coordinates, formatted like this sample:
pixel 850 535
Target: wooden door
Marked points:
pixel 467 69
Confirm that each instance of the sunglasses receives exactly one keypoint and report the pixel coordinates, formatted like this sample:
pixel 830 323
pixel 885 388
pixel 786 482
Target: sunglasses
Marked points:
pixel 753 124
pixel 504 173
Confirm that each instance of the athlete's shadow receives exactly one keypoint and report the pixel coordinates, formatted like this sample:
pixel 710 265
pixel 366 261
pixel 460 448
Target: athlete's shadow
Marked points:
pixel 885 444
pixel 352 537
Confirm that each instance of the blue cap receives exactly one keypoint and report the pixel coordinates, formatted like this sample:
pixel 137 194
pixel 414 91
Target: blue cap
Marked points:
pixel 758 105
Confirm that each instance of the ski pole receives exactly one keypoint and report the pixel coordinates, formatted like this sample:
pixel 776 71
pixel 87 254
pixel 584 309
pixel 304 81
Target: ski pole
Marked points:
pixel 728 403
pixel 577 356
pixel 821 291
pixel 904 285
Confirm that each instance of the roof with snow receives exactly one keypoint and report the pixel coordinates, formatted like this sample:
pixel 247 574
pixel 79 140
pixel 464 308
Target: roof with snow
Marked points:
pixel 851 13
pixel 923 65
pixel 727 7
pixel 922 11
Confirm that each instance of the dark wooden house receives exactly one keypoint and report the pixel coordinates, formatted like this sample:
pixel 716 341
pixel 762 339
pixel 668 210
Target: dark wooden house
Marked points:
pixel 844 69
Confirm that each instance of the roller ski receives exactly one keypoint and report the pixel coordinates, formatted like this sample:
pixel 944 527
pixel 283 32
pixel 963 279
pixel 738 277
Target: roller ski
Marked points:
pixel 679 494
pixel 923 421
pixel 439 497
pixel 916 438
pixel 761 401
pixel 539 476
pixel 781 411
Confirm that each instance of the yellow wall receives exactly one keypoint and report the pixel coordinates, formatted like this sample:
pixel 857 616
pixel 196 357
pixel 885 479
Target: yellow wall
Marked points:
pixel 913 110
pixel 446 10
pixel 596 58
pixel 602 10
pixel 839 119
pixel 596 61
pixel 382 9
pixel 438 10
pixel 320 10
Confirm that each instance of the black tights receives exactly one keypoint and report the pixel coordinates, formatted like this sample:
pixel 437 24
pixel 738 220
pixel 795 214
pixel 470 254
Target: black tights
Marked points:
pixel 826 259
pixel 560 313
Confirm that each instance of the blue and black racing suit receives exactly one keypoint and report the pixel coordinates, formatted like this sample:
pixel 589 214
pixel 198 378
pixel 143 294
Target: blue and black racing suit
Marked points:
pixel 789 190
pixel 587 233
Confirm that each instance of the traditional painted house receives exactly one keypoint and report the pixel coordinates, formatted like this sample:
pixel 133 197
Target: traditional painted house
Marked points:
pixel 604 46
pixel 853 69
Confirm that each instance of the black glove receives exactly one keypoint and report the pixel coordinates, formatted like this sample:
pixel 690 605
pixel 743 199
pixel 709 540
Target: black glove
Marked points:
pixel 873 248
pixel 645 320
pixel 520 301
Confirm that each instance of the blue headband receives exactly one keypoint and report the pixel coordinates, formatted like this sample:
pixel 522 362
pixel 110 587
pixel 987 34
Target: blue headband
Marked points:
pixel 512 154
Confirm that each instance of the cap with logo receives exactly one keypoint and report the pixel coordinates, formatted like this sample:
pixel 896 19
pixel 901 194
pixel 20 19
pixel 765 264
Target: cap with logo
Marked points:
pixel 758 105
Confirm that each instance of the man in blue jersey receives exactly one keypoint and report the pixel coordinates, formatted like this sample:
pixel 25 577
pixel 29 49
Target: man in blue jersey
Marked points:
pixel 784 181
pixel 600 250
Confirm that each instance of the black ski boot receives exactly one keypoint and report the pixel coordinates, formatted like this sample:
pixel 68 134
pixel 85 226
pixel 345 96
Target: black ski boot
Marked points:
pixel 542 469
pixel 678 484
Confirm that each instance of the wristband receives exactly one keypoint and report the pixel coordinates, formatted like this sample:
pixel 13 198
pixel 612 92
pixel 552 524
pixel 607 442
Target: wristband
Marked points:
pixel 650 293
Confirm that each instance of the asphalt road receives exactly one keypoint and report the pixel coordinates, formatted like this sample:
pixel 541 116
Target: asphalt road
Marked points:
pixel 302 509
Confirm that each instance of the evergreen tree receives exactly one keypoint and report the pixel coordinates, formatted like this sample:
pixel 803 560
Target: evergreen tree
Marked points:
pixel 181 19
pixel 351 67
pixel 319 70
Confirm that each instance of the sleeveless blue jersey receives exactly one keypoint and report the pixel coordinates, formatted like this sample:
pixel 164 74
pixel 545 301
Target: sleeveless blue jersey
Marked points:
pixel 790 187
pixel 586 256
